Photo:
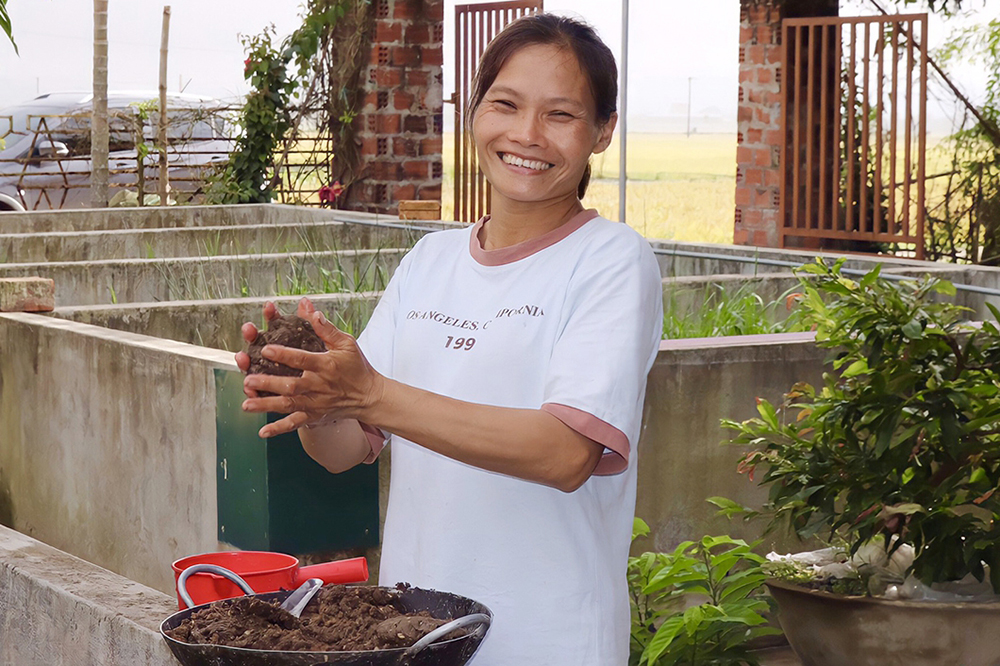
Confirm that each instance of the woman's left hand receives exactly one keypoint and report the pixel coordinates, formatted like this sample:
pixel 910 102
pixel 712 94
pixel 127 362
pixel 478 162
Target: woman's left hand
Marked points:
pixel 335 384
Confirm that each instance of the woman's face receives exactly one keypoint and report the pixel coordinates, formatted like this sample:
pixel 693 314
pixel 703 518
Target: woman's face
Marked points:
pixel 536 127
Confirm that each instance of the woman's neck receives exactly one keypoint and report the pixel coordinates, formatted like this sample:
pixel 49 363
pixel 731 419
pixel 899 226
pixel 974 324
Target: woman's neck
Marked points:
pixel 513 222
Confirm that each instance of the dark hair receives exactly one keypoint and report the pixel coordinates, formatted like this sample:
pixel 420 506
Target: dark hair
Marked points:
pixel 594 57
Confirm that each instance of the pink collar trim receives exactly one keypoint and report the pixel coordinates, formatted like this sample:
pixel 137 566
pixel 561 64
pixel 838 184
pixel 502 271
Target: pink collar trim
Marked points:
pixel 507 255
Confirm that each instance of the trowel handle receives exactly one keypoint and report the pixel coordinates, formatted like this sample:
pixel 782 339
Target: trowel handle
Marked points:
pixel 207 568
pixel 341 572
pixel 482 619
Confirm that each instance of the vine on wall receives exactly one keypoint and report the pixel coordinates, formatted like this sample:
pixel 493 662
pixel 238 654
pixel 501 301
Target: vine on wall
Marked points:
pixel 297 137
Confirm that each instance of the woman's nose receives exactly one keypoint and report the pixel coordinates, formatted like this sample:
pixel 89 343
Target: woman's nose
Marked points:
pixel 526 129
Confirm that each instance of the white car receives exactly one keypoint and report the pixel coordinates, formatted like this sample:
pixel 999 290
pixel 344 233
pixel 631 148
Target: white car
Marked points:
pixel 45 153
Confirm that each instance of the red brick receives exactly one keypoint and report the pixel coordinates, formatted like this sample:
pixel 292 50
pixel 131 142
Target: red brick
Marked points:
pixel 741 237
pixel 432 56
pixel 371 101
pixel 406 9
pixel 753 176
pixel 369 145
pixel 748 75
pixel 760 238
pixel 744 155
pixel 387 32
pixel 27 294
pixel 755 55
pixel 430 193
pixel 388 123
pixel 753 135
pixel 746 33
pixel 402 100
pixel 773 54
pixel 434 10
pixel 762 157
pixel 772 178
pixel 752 218
pixel 418 33
pixel 416 170
pixel 405 56
pixel 744 114
pixel 405 147
pixel 763 198
pixel 418 77
pixel 765 75
pixel 404 191
pixel 773 137
pixel 415 124
pixel 431 146
pixel 762 116
pixel 743 196
pixel 388 77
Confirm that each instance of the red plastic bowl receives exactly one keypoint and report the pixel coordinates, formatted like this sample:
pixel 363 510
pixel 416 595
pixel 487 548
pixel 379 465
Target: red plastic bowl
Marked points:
pixel 264 572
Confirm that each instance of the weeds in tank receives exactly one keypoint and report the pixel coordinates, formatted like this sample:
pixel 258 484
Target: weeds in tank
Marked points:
pixel 700 604
pixel 725 312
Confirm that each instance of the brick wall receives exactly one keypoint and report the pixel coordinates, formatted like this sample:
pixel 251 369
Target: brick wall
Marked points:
pixel 399 125
pixel 758 173
pixel 761 91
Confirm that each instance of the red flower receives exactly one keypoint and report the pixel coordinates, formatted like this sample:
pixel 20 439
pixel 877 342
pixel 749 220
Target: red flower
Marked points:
pixel 246 66
pixel 329 193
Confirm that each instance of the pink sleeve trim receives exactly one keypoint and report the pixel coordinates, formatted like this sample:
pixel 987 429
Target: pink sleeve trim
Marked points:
pixel 614 441
pixel 376 439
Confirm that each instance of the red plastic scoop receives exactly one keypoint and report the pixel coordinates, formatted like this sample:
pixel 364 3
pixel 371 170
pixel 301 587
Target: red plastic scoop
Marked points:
pixel 264 572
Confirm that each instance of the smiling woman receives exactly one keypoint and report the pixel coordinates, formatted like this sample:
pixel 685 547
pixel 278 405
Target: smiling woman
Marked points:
pixel 512 410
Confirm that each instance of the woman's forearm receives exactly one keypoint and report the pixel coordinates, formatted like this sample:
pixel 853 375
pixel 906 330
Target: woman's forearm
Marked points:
pixel 526 443
pixel 337 446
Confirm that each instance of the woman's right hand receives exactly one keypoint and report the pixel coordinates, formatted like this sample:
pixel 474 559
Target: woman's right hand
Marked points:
pixel 304 309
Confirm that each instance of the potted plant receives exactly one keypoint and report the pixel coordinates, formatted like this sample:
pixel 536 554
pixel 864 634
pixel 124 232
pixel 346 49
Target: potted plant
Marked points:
pixel 899 449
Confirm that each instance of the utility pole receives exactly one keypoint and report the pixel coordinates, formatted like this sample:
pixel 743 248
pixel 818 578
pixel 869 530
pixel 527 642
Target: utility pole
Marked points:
pixel 689 105
pixel 99 115
pixel 623 120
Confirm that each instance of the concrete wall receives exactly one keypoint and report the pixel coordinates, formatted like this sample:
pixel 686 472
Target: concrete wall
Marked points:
pixel 216 323
pixel 198 241
pixel 108 445
pixel 58 610
pixel 694 384
pixel 108 448
pixel 144 280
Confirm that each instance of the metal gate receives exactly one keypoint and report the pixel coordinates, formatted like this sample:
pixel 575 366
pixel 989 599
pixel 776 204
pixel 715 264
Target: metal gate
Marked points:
pixel 475 26
pixel 854 131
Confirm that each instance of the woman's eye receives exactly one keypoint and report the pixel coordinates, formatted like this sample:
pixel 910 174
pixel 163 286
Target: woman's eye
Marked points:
pixel 504 103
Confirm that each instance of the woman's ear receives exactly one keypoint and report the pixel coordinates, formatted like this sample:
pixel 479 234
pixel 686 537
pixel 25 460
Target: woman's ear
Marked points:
pixel 607 130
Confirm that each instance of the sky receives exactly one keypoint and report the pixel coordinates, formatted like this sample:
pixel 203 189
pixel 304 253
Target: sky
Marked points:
pixel 671 42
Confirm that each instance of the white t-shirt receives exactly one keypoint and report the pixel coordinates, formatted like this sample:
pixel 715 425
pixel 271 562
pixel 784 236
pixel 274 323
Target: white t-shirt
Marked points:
pixel 570 323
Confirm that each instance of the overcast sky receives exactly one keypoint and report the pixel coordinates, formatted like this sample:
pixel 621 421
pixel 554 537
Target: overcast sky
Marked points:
pixel 670 42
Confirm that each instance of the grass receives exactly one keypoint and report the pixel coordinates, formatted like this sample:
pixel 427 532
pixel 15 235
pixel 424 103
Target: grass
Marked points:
pixel 723 312
pixel 680 187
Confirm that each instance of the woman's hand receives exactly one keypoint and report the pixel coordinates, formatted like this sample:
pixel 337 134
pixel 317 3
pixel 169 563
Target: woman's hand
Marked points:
pixel 335 384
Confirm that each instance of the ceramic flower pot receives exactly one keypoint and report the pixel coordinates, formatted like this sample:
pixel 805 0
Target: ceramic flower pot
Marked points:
pixel 828 629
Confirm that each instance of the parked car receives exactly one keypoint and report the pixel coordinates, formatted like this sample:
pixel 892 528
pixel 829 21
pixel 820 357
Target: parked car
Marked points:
pixel 45 153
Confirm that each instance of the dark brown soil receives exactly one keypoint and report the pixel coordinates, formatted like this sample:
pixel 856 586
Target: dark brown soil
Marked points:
pixel 288 331
pixel 338 618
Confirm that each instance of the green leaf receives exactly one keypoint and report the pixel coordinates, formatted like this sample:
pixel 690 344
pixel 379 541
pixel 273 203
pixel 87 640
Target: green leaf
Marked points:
pixel 913 330
pixel 639 528
pixel 692 619
pixel 856 368
pixel 662 639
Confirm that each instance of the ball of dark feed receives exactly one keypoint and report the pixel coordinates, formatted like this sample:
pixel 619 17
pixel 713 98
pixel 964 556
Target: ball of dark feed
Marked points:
pixel 287 331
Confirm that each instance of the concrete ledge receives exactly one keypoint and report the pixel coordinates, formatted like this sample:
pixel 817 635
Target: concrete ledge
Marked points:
pixel 27 294
pixel 144 280
pixel 59 610
pixel 198 241
pixel 216 323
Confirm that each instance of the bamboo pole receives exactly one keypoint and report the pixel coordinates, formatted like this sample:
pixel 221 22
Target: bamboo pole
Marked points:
pixel 163 186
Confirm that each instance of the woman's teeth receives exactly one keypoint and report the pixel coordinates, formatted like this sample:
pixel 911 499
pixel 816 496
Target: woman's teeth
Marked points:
pixel 527 164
